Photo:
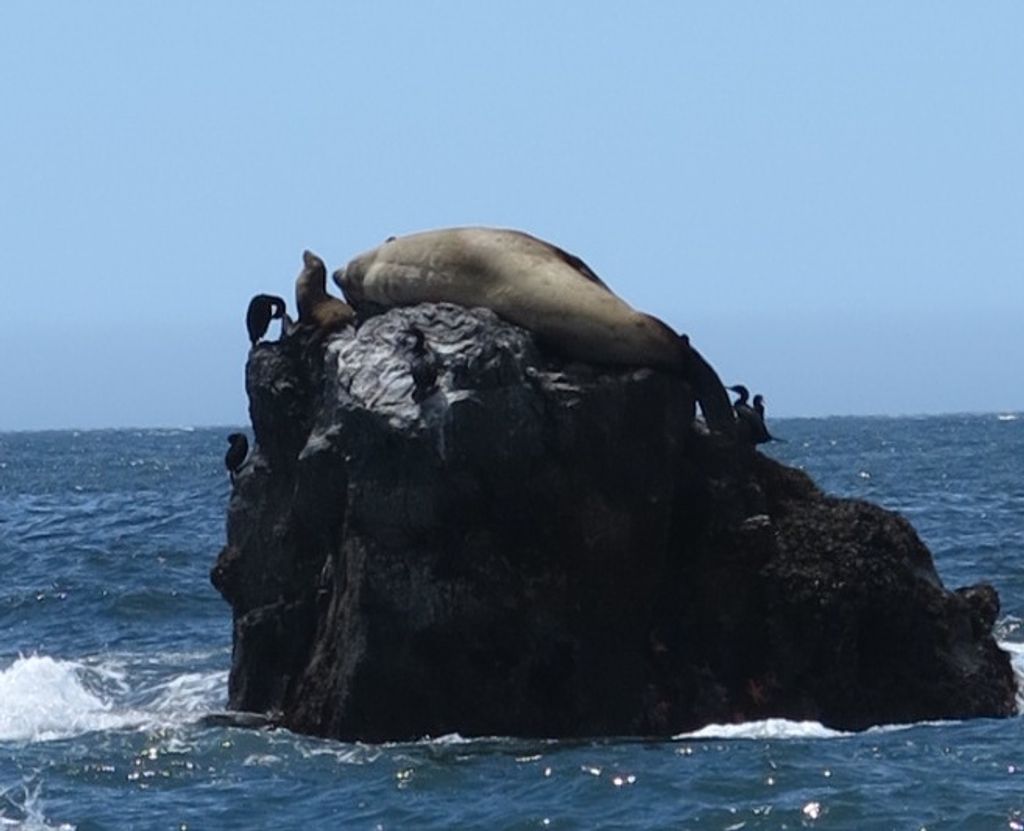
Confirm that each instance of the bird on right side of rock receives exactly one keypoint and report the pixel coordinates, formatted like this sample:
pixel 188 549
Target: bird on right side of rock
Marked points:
pixel 759 409
pixel 750 425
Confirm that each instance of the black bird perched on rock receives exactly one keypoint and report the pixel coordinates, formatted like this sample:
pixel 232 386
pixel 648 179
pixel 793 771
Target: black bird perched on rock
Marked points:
pixel 759 409
pixel 236 455
pixel 423 366
pixel 262 309
pixel 750 424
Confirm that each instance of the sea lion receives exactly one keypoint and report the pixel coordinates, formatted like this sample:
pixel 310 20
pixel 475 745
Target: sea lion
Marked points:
pixel 262 309
pixel 538 286
pixel 316 307
pixel 236 455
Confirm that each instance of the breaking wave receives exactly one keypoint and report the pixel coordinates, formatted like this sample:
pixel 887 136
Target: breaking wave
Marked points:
pixel 45 699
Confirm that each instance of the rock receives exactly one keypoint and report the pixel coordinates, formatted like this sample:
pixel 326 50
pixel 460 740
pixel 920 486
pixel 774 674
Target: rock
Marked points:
pixel 248 721
pixel 491 542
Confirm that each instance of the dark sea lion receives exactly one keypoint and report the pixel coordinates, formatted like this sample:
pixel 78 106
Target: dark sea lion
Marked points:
pixel 236 455
pixel 538 286
pixel 316 307
pixel 262 309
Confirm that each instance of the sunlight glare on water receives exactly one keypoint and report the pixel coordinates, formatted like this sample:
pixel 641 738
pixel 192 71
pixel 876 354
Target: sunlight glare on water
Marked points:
pixel 117 647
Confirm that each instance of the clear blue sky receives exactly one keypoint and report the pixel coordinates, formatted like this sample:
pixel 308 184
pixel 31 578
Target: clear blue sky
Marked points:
pixel 829 198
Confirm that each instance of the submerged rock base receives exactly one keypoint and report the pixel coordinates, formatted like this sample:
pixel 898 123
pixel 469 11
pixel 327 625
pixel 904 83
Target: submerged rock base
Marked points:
pixel 470 538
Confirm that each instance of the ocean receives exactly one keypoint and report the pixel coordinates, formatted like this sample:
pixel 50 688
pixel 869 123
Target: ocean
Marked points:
pixel 115 646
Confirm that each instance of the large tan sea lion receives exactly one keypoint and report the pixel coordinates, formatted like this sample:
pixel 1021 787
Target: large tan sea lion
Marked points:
pixel 535 285
pixel 316 307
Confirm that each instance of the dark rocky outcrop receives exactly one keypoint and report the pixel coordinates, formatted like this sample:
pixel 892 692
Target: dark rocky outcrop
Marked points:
pixel 535 548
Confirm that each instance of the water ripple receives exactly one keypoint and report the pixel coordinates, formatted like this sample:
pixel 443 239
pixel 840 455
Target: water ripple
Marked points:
pixel 116 645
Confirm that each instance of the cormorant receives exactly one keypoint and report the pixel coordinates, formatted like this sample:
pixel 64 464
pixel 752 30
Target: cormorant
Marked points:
pixel 236 455
pixel 422 367
pixel 287 324
pixel 759 409
pixel 262 309
pixel 750 424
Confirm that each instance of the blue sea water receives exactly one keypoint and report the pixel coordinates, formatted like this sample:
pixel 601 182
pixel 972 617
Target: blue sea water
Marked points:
pixel 113 645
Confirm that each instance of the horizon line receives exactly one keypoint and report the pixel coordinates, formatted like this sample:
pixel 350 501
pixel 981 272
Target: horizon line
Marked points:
pixel 191 428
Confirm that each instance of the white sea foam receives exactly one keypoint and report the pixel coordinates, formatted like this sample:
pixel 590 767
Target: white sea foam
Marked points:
pixel 187 696
pixel 777 728
pixel 1016 651
pixel 769 728
pixel 261 760
pixel 43 699
pixel 22 808
pixel 452 739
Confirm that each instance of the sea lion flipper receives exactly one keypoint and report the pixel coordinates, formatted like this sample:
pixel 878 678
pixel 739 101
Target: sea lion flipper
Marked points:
pixel 714 400
pixel 708 387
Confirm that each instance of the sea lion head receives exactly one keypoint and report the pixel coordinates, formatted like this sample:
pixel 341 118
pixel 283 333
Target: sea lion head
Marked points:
pixel 310 285
pixel 314 265
pixel 350 280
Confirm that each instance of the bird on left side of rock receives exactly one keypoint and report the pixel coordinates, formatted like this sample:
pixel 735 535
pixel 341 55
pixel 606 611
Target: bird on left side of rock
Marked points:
pixel 262 309
pixel 237 453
